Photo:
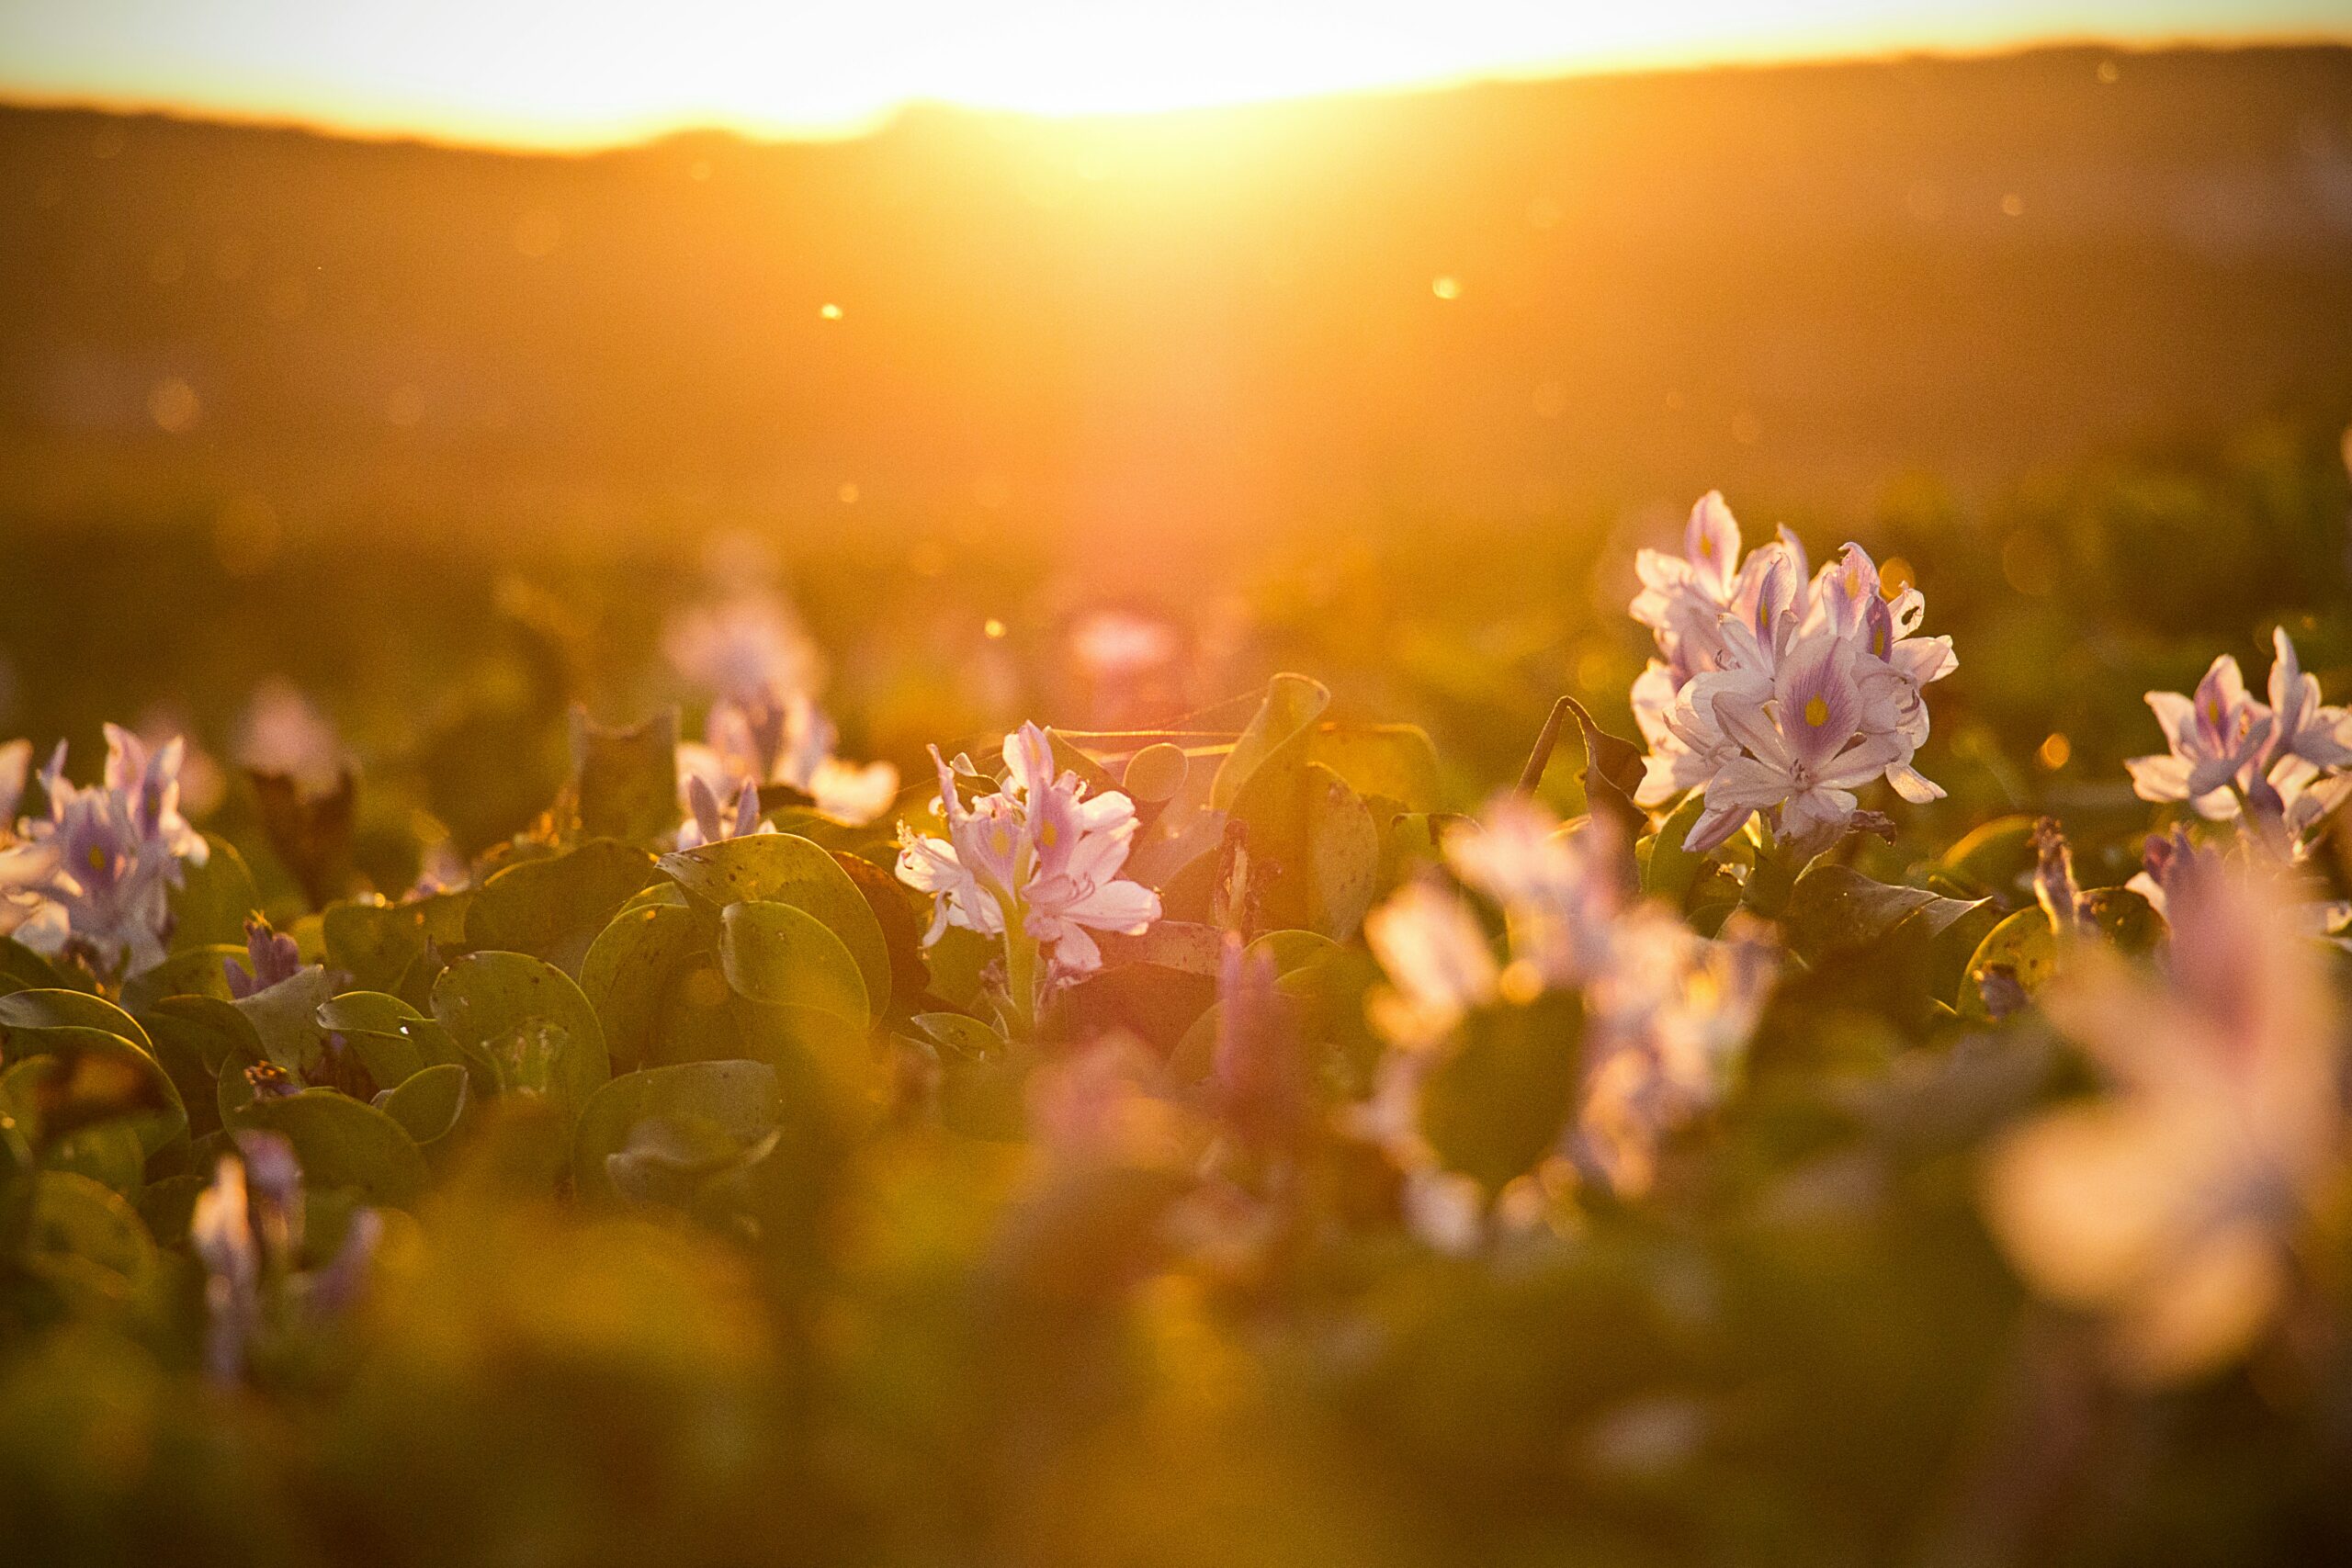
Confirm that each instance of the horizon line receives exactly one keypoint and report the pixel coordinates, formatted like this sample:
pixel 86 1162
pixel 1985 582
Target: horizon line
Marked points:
pixel 766 132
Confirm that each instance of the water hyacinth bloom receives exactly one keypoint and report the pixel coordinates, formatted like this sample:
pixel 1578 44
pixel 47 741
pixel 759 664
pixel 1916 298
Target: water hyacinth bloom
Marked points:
pixel 1803 750
pixel 220 1229
pixel 2286 759
pixel 1666 1011
pixel 2168 1208
pixel 271 958
pixel 24 865
pixel 706 823
pixel 113 857
pixel 770 736
pixel 1036 862
pixel 2217 737
pixel 1777 695
pixel 1439 964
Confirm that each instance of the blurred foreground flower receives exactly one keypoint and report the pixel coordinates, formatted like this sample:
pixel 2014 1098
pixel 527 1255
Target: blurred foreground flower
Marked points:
pixel 2169 1208
pixel 246 1229
pixel 1663 1012
pixel 1036 863
pixel 1774 694
pixel 112 858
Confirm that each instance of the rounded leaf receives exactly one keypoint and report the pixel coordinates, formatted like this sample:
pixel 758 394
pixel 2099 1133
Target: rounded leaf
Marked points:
pixel 779 868
pixel 487 997
pixel 741 1099
pixel 782 954
pixel 342 1142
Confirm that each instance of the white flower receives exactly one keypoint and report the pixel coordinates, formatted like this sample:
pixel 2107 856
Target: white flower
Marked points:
pixel 2217 737
pixel 2168 1208
pixel 108 858
pixel 1804 749
pixel 1667 1012
pixel 1040 856
pixel 1438 962
pixel 1722 707
pixel 2287 759
pixel 705 823
pixel 769 738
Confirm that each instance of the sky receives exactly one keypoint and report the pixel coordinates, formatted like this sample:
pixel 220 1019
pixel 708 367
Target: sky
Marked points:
pixel 587 73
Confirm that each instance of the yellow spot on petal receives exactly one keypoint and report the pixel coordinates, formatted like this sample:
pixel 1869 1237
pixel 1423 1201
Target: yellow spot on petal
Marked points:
pixel 1816 711
pixel 97 858
pixel 1049 834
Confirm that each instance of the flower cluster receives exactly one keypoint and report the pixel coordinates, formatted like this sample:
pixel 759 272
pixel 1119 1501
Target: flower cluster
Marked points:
pixel 764 727
pixel 765 736
pixel 96 874
pixel 1666 1011
pixel 2281 763
pixel 2168 1209
pixel 246 1229
pixel 1036 862
pixel 1777 692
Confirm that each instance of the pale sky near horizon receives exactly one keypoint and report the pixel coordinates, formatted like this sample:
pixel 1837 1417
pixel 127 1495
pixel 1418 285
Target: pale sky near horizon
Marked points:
pixel 584 72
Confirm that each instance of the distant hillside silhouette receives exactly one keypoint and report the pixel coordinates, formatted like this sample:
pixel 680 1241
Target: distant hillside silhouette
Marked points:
pixel 1802 280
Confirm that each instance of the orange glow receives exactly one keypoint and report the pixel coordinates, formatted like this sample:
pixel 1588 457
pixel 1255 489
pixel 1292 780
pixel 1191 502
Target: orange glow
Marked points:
pixel 539 72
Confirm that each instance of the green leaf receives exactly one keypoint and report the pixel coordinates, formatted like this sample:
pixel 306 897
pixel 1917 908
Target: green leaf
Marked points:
pixel 61 1075
pixel 394 1040
pixel 1292 705
pixel 22 969
pixel 1394 760
pixel 428 1104
pixel 741 1099
pixel 106 1152
pixel 213 900
pixel 983 1077
pixel 1672 871
pixel 1834 909
pixel 1495 1107
pixel 653 977
pixel 2125 918
pixel 1294 951
pixel 375 943
pixel 963 1035
pixel 187 971
pixel 484 997
pixel 1995 857
pixel 782 954
pixel 554 907
pixel 87 1243
pixel 778 868
pixel 342 1142
pixel 1322 841
pixel 625 781
pixel 2024 946
pixel 285 1018
pixel 62 1008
